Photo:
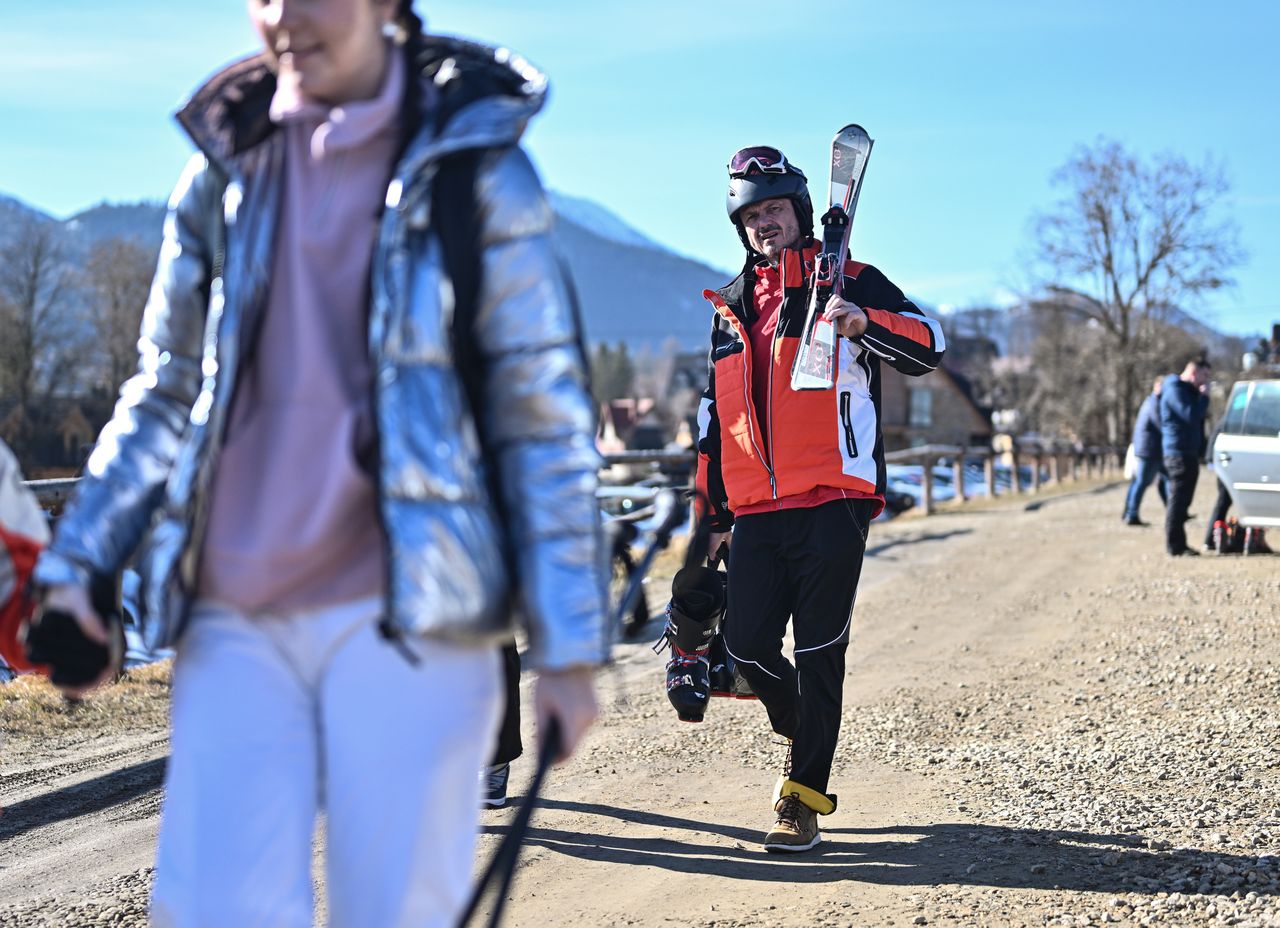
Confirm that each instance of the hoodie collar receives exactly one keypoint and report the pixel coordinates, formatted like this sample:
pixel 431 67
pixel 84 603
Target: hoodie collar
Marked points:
pixel 350 125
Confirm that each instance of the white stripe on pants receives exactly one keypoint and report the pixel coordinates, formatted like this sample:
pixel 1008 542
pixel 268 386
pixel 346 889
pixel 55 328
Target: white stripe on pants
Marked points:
pixel 276 717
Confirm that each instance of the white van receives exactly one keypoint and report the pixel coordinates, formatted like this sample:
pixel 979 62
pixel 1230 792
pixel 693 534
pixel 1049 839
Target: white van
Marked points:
pixel 1246 453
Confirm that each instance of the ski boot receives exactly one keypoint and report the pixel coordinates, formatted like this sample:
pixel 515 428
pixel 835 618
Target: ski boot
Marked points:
pixel 693 616
pixel 726 679
pixel 688 684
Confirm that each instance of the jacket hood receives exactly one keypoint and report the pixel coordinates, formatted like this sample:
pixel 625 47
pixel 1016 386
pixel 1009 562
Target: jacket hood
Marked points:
pixel 466 95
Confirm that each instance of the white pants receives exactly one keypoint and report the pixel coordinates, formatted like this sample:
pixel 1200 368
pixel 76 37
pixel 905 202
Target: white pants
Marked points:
pixel 275 718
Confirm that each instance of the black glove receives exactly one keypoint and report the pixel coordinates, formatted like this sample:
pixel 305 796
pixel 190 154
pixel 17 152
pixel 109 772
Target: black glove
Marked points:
pixel 54 637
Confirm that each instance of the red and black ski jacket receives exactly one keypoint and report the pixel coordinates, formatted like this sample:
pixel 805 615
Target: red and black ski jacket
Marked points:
pixel 812 438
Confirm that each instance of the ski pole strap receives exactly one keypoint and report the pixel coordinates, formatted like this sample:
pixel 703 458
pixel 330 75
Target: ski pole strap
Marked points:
pixel 719 556
pixel 700 543
pixel 502 865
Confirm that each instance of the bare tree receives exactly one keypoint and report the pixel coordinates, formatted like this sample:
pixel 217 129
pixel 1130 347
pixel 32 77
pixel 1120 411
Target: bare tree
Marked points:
pixel 1070 393
pixel 1130 243
pixel 40 339
pixel 119 272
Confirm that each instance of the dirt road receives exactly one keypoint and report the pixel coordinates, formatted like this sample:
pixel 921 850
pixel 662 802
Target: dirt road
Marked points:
pixel 1047 721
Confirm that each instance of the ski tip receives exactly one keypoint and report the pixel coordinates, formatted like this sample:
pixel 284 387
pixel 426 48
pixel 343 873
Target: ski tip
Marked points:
pixel 852 133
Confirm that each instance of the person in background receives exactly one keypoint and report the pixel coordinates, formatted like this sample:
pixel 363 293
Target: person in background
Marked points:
pixel 1148 456
pixel 1214 531
pixel 508 747
pixel 1183 405
pixel 320 484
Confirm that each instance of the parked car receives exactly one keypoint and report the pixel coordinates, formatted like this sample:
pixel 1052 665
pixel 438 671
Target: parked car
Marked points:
pixel 895 501
pixel 1246 453
pixel 908 480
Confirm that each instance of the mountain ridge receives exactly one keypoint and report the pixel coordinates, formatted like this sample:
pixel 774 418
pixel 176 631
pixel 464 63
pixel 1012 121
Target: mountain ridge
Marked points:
pixel 631 288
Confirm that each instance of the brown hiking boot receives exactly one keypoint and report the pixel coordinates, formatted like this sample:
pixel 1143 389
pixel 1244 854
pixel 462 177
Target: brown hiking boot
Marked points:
pixel 796 828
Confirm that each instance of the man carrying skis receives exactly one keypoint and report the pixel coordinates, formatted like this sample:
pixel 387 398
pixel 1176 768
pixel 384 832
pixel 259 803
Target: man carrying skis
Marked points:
pixel 796 476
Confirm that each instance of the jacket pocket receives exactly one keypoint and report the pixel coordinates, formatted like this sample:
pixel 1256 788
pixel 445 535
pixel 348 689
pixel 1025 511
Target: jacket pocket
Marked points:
pixel 728 348
pixel 860 511
pixel 846 420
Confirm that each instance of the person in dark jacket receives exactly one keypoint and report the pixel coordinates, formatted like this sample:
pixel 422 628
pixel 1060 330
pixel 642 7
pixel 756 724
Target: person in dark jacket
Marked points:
pixel 1148 454
pixel 1183 405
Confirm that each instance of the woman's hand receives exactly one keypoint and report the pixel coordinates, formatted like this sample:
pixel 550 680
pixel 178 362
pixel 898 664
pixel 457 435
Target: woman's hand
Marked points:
pixel 74 600
pixel 568 696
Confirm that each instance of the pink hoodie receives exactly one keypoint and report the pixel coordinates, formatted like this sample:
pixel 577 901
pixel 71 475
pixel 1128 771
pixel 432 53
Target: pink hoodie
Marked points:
pixel 294 522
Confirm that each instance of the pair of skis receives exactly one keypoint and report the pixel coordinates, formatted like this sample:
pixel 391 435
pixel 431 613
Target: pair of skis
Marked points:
pixel 814 365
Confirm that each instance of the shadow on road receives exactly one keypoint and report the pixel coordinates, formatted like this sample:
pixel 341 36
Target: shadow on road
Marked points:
pixel 915 538
pixel 955 853
pixel 1039 504
pixel 84 798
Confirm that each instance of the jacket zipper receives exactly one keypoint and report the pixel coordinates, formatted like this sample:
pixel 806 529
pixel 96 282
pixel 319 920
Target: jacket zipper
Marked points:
pixel 188 565
pixel 846 419
pixel 736 322
pixel 384 249
pixel 773 348
pixel 746 389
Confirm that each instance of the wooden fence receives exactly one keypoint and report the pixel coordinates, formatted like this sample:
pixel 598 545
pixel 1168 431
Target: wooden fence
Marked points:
pixel 1050 465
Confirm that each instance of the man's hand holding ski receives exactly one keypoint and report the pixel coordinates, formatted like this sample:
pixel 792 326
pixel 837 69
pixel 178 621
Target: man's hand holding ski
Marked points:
pixel 848 318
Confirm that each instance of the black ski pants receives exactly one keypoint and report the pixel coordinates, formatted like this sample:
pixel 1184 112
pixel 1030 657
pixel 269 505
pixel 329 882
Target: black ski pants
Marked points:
pixel 1183 471
pixel 802 565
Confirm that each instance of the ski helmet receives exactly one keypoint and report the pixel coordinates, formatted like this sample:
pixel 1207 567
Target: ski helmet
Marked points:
pixel 762 172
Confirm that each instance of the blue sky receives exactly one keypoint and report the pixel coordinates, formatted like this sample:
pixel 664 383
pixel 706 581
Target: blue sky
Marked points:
pixel 972 105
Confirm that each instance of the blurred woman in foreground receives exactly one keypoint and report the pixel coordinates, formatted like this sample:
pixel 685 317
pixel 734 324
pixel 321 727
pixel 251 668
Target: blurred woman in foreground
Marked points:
pixel 312 471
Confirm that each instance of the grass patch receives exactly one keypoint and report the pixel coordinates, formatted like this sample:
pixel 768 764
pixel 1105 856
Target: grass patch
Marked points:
pixel 31 707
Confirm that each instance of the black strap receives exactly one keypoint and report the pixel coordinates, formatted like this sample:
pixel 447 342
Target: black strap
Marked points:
pixel 456 220
pixel 503 863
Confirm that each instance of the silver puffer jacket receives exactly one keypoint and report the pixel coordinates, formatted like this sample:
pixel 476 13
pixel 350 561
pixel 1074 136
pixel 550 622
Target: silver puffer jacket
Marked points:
pixel 150 472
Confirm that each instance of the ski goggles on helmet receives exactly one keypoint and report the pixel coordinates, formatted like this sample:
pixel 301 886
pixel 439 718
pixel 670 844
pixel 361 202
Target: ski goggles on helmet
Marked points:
pixel 763 158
